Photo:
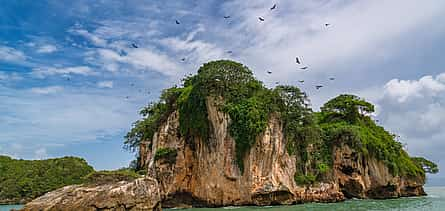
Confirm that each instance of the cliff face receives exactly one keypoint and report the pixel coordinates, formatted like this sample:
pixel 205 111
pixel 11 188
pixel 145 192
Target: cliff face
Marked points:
pixel 204 173
pixel 362 177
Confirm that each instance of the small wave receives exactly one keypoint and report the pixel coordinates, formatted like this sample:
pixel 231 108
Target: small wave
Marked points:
pixel 231 208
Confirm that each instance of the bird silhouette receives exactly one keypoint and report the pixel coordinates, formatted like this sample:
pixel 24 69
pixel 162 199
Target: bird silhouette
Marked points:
pixel 134 45
pixel 273 7
pixel 177 22
pixel 227 16
pixel 229 52
pixel 301 81
pixel 332 78
pixel 304 68
pixel 277 82
pixel 183 59
pixel 270 72
pixel 318 87
pixel 297 60
pixel 127 97
pixel 327 24
pixel 261 18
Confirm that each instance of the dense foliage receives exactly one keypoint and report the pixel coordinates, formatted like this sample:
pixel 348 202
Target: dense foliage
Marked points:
pixel 153 115
pixel 427 165
pixel 105 177
pixel 166 154
pixel 344 119
pixel 310 136
pixel 27 179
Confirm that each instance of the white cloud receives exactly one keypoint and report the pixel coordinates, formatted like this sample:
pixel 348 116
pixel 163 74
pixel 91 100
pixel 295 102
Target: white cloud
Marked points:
pixel 414 109
pixel 195 50
pixel 96 40
pixel 361 31
pixel 11 55
pixel 136 59
pixel 47 49
pixel 11 76
pixel 46 90
pixel 402 90
pixel 74 115
pixel 105 84
pixel 50 71
pixel 40 154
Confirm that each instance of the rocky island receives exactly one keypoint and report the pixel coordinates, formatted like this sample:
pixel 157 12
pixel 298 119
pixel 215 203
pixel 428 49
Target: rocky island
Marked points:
pixel 224 139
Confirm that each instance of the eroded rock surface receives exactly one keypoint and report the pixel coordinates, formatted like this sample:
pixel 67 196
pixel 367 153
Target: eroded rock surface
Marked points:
pixel 140 194
pixel 205 174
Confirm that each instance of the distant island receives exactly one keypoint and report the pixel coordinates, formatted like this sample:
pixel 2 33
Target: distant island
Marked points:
pixel 223 139
pixel 24 180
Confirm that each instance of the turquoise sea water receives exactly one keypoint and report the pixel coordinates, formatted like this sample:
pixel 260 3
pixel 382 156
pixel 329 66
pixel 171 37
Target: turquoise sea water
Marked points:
pixel 435 201
pixel 9 207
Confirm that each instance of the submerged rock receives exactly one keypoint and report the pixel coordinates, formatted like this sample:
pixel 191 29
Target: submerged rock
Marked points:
pixel 139 194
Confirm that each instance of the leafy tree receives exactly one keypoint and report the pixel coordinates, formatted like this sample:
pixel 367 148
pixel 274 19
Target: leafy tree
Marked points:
pixel 310 136
pixel 347 107
pixel 427 165
pixel 153 115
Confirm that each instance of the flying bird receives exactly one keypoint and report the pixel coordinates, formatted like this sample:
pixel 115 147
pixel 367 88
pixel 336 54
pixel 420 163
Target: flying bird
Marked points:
pixel 332 78
pixel 304 68
pixel 183 59
pixel 270 72
pixel 229 52
pixel 273 7
pixel 134 45
pixel 261 18
pixel 297 60
pixel 177 22
pixel 318 87
pixel 301 81
pixel 327 24
pixel 277 82
pixel 127 97
pixel 227 16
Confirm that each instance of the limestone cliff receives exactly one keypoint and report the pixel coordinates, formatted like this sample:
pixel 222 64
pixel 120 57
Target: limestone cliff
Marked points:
pixel 204 173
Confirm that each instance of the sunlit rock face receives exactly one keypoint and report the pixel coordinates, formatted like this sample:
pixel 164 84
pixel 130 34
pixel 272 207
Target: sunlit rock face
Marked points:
pixel 204 173
pixel 140 194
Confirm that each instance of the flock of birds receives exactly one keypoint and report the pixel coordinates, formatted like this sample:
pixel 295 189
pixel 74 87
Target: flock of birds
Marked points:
pixel 298 60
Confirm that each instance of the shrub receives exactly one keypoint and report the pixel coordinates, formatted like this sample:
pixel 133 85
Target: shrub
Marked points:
pixel 167 154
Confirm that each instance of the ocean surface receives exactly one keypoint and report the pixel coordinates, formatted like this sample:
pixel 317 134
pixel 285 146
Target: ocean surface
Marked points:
pixel 435 201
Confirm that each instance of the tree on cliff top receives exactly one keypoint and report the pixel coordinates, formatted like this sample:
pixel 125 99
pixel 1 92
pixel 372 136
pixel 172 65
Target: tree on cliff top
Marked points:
pixel 346 107
pixel 250 104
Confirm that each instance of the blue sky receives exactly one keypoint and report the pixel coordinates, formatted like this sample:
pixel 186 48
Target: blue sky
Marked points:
pixel 67 67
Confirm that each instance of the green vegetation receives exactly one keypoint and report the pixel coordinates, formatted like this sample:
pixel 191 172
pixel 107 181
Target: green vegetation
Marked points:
pixel 427 165
pixel 105 177
pixel 28 179
pixel 310 136
pixel 167 154
pixel 344 120
pixel 308 179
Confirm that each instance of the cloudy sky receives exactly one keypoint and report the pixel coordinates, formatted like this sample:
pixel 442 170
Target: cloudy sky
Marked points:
pixel 71 82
